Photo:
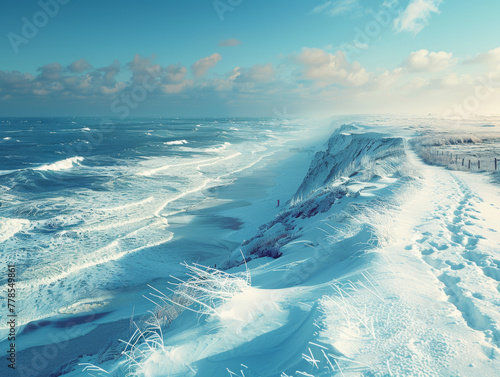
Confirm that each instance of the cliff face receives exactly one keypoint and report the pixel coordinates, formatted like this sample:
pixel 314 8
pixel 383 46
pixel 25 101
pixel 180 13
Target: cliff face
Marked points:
pixel 349 154
pixel 354 164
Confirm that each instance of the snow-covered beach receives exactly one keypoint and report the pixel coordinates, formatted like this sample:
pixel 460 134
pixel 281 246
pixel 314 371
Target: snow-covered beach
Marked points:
pixel 234 188
pixel 206 225
pixel 375 263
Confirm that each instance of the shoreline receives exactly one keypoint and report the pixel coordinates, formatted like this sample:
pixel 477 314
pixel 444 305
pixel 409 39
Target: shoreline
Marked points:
pixel 236 218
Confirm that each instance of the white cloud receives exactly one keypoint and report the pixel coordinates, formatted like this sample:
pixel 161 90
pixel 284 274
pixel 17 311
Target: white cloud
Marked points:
pixel 50 72
pixel 416 15
pixel 174 73
pixel 454 80
pixel 79 66
pixel 230 43
pixel 389 78
pixel 417 83
pixel 425 61
pixel 202 66
pixel 334 8
pixel 488 58
pixel 257 73
pixel 143 69
pixel 257 78
pixel 113 90
pixel 110 72
pixel 327 68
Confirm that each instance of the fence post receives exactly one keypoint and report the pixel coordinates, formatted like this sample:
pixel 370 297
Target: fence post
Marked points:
pixel 478 164
pixel 469 164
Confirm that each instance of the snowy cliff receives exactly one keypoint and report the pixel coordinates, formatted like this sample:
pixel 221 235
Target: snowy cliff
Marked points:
pixel 349 154
pixel 354 163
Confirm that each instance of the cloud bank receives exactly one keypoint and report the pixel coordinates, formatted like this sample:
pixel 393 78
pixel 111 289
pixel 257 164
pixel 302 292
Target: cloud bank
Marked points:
pixel 311 79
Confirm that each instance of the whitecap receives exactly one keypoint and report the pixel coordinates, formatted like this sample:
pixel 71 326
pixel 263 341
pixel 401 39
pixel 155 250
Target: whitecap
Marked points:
pixel 61 165
pixel 9 227
pixel 176 142
pixel 218 148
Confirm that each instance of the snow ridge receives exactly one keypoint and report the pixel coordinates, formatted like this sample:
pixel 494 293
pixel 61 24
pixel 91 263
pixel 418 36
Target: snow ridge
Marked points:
pixel 349 153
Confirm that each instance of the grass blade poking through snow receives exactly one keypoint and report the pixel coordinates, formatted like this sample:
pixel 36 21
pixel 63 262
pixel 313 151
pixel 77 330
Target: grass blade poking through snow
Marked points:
pixel 204 292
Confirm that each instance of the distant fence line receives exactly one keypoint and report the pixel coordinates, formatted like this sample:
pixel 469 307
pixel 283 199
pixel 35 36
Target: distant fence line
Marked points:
pixel 459 161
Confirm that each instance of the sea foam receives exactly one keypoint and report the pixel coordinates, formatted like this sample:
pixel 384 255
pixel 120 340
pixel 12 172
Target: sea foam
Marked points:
pixel 9 227
pixel 61 165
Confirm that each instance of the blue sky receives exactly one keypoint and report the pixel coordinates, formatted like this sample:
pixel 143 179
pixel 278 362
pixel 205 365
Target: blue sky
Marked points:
pixel 248 57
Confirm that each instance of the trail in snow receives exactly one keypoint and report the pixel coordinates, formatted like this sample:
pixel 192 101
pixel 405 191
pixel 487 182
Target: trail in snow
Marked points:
pixel 460 244
pixel 441 294
pixel 428 302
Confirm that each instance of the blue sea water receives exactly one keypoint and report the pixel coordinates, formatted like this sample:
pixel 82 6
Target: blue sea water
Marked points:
pixel 89 206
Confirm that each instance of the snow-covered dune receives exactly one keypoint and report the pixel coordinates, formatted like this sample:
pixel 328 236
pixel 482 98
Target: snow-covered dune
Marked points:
pixel 378 265
pixel 357 170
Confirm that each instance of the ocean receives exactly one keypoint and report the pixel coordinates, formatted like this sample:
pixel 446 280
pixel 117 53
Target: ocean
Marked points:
pixel 90 208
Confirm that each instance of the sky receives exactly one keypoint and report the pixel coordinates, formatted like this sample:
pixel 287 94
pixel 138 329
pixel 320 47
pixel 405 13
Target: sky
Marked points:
pixel 249 57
